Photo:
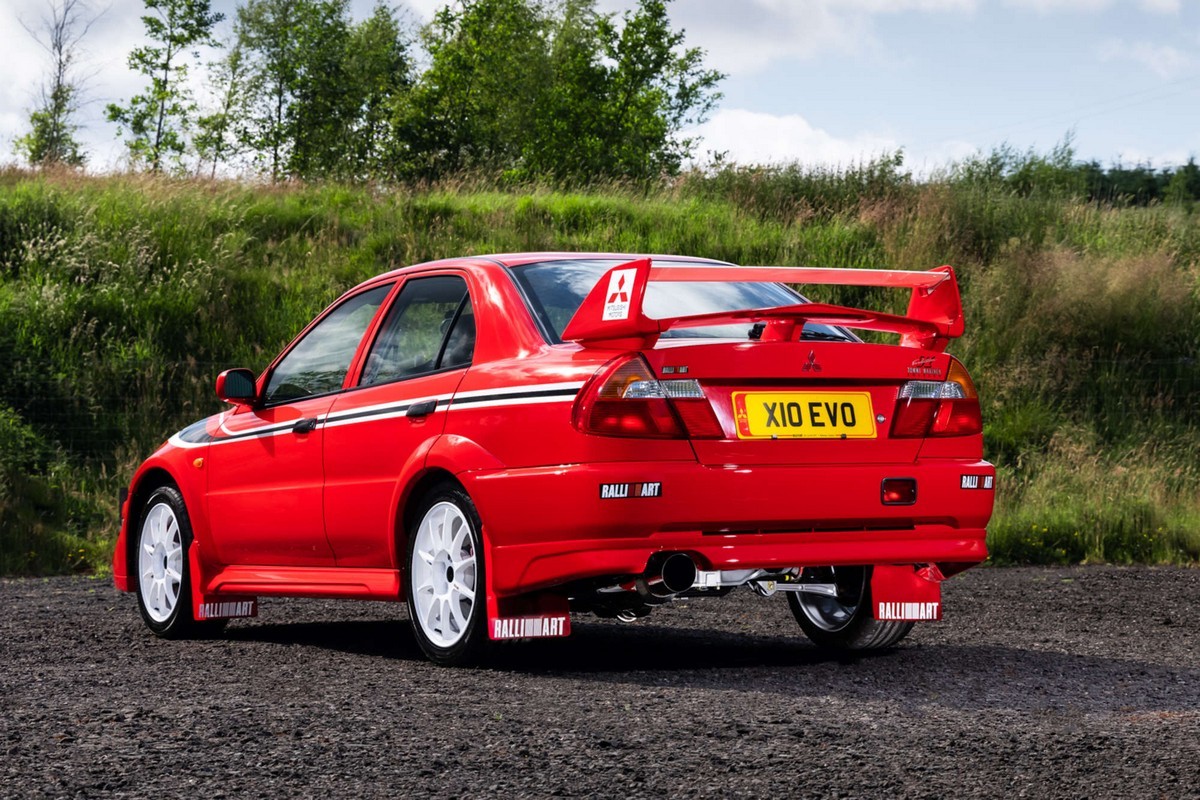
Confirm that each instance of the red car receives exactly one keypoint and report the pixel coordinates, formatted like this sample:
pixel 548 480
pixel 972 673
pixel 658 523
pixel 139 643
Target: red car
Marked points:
pixel 502 441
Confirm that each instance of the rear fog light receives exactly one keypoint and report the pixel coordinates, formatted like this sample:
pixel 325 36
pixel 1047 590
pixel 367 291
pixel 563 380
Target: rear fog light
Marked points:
pixel 899 491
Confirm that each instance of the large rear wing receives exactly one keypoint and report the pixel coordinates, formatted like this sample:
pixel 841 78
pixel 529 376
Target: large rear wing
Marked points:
pixel 611 315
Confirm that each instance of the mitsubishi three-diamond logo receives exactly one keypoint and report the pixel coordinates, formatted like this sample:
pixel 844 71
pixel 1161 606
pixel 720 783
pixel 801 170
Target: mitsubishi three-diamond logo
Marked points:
pixel 619 287
pixel 811 364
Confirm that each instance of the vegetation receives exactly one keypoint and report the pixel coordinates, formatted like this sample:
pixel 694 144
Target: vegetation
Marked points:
pixel 122 297
pixel 158 120
pixel 520 88
pixel 51 136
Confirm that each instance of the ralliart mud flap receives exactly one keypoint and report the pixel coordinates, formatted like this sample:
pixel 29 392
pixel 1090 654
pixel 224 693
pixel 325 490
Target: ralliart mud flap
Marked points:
pixel 543 616
pixel 209 606
pixel 906 593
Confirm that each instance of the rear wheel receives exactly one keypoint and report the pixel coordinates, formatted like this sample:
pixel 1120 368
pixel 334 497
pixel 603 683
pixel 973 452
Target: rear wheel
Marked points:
pixel 164 584
pixel 445 586
pixel 844 622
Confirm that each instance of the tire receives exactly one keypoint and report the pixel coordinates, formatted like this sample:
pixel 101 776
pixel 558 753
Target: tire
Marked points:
pixel 844 622
pixel 164 583
pixel 444 583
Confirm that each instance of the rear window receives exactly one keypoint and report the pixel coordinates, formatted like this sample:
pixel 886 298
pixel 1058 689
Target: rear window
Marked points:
pixel 556 289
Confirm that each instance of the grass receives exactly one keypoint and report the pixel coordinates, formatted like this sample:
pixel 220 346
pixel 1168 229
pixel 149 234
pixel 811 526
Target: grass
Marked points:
pixel 121 298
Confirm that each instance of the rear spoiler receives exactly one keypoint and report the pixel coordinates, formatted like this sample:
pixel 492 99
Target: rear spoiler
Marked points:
pixel 611 315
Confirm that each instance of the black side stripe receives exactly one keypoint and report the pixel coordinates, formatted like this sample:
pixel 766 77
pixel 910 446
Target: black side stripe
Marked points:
pixel 197 437
pixel 490 398
pixel 380 412
pixel 266 430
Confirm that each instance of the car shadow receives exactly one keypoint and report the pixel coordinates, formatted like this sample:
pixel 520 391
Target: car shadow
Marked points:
pixel 592 647
pixel 971 677
pixel 370 638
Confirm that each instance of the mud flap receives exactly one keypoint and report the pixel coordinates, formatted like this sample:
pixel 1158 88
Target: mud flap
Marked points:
pixel 215 606
pixel 906 593
pixel 534 616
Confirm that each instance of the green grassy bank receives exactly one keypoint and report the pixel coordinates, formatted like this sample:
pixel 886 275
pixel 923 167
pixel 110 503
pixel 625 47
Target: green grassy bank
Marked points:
pixel 122 297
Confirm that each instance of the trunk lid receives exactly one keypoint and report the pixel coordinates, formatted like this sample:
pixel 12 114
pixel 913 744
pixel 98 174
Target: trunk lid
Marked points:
pixel 799 402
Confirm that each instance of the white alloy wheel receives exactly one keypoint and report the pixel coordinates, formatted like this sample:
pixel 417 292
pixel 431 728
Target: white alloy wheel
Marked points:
pixel 160 562
pixel 444 575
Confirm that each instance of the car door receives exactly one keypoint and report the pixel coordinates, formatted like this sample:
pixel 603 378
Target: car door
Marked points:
pixel 417 359
pixel 267 477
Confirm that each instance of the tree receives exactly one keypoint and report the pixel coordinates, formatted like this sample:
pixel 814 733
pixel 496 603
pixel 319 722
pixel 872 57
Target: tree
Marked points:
pixel 51 139
pixel 268 32
pixel 657 88
pixel 556 89
pixel 477 100
pixel 216 138
pixel 158 119
pixel 1183 188
pixel 381 72
pixel 325 103
pixel 568 139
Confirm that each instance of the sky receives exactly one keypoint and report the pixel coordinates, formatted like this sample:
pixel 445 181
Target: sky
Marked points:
pixel 822 82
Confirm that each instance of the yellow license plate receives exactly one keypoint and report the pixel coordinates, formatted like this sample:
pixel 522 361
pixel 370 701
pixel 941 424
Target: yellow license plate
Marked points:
pixel 804 415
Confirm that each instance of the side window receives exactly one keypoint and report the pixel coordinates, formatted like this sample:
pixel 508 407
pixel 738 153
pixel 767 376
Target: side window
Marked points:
pixel 318 363
pixel 429 327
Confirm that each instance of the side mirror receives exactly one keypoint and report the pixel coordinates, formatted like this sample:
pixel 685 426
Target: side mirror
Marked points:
pixel 237 386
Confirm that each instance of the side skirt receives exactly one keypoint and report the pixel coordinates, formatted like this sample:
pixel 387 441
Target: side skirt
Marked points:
pixel 343 582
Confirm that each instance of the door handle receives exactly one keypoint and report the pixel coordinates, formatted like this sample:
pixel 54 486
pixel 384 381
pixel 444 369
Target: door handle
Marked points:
pixel 423 409
pixel 306 425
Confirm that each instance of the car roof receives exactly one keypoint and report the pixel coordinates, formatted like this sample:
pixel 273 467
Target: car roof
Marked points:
pixel 521 259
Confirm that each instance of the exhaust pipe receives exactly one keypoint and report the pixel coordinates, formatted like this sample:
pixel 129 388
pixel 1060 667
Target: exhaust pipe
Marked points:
pixel 667 574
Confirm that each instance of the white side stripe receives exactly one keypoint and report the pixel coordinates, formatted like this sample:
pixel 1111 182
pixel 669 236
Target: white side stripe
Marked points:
pixel 512 401
pixel 382 407
pixel 527 389
pixel 381 411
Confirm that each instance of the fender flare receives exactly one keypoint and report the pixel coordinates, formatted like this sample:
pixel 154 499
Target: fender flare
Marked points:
pixel 158 470
pixel 448 454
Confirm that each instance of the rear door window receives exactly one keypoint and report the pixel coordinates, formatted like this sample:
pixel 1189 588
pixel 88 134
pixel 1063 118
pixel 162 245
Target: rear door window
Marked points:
pixel 430 327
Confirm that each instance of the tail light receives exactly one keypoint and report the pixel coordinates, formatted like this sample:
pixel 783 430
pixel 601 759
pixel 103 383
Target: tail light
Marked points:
pixel 625 399
pixel 938 408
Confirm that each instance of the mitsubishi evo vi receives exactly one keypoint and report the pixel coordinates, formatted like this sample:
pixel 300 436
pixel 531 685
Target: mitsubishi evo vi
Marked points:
pixel 503 442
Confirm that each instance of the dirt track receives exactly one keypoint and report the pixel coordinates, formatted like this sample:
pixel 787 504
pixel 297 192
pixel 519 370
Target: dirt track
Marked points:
pixel 1077 682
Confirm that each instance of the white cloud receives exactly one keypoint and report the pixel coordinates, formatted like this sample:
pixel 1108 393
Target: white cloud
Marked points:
pixel 1161 59
pixel 1051 6
pixel 1133 155
pixel 751 137
pixel 755 138
pixel 422 8
pixel 743 36
pixel 1162 6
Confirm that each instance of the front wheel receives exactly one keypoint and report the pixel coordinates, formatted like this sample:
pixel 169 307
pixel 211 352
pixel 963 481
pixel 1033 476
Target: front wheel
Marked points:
pixel 164 584
pixel 445 588
pixel 844 622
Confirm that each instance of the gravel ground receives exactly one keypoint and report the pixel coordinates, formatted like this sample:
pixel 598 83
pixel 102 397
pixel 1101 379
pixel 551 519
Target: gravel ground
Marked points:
pixel 1073 682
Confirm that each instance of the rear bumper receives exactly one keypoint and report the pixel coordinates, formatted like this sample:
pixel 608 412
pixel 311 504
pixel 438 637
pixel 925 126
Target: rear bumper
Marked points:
pixel 549 526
